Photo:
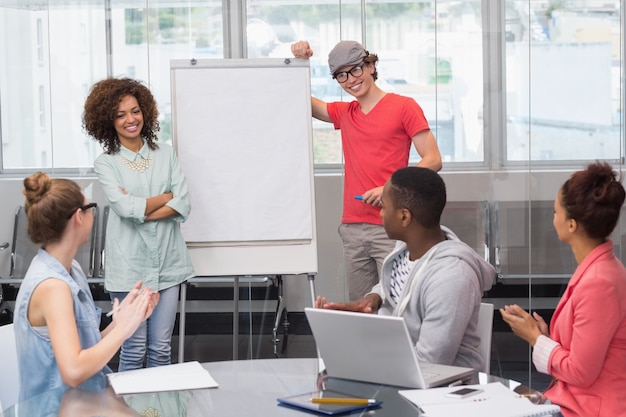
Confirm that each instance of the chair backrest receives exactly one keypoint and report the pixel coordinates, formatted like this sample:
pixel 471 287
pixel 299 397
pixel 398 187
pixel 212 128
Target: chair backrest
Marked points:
pixel 485 329
pixel 87 252
pixel 23 250
pixel 526 244
pixel 470 221
pixel 102 240
pixel 9 374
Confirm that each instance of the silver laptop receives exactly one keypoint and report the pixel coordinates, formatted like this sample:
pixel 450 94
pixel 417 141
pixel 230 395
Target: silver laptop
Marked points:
pixel 373 348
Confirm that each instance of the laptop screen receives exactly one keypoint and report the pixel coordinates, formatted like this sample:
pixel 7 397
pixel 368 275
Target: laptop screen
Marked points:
pixel 373 348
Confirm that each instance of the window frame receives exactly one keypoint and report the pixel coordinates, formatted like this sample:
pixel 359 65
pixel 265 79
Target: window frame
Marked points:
pixel 493 14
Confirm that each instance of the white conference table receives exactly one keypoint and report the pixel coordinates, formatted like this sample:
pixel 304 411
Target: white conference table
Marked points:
pixel 246 388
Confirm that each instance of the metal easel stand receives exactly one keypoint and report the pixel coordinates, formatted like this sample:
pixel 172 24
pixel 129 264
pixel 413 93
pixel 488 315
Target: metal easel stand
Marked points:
pixel 183 312
pixel 282 313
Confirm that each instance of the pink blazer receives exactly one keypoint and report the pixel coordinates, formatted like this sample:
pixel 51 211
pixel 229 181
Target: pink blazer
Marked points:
pixel 589 323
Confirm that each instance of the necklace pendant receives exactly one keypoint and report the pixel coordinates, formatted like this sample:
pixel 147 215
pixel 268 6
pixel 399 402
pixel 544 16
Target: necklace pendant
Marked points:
pixel 140 166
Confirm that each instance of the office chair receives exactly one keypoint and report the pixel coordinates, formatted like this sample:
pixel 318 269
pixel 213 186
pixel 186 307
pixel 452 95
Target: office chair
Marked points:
pixel 470 221
pixel 3 309
pixel 9 377
pixel 102 240
pixel 86 254
pixel 23 250
pixel 485 329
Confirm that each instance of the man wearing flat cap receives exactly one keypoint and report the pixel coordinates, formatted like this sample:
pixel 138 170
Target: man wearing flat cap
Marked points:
pixel 377 130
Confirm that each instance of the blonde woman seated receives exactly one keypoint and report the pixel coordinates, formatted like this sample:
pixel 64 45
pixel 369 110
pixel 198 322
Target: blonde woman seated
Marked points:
pixel 57 324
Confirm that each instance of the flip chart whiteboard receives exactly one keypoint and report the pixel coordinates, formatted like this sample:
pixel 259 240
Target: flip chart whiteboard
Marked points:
pixel 242 131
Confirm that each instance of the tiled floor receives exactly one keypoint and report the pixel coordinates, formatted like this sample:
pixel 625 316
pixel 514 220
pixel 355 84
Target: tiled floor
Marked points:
pixel 209 338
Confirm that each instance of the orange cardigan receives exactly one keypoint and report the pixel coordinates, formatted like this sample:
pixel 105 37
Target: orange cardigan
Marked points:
pixel 589 324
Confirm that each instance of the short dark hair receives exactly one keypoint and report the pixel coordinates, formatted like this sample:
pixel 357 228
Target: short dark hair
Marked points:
pixel 421 191
pixel 594 197
pixel 372 59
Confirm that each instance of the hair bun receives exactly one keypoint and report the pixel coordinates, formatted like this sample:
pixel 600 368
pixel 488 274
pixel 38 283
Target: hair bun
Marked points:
pixel 36 186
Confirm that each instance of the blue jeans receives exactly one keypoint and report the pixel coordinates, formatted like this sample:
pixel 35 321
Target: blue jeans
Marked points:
pixel 154 336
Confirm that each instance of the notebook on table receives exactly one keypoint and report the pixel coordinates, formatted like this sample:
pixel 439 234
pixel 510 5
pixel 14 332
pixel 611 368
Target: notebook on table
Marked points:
pixel 493 399
pixel 304 402
pixel 174 377
pixel 375 348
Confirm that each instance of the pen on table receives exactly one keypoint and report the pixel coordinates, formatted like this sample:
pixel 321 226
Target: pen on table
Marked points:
pixel 351 401
pixel 533 397
pixel 358 197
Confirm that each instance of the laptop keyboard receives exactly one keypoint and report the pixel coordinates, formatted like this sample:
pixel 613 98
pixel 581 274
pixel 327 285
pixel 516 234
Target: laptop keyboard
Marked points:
pixel 428 372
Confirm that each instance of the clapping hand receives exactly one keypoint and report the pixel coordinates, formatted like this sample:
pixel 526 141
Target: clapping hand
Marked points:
pixel 523 324
pixel 136 307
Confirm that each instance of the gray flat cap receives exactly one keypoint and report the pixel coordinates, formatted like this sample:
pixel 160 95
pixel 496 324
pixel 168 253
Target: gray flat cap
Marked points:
pixel 345 53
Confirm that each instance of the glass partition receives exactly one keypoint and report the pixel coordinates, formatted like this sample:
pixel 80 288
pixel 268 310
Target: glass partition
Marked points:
pixel 428 50
pixel 519 95
pixel 560 116
pixel 53 51
pixel 431 51
pixel 546 44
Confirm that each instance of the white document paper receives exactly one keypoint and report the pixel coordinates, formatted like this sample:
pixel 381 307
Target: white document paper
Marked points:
pixel 425 397
pixel 495 400
pixel 176 377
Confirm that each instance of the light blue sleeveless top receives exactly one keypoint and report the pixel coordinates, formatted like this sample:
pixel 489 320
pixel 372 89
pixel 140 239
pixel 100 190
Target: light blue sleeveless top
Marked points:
pixel 37 365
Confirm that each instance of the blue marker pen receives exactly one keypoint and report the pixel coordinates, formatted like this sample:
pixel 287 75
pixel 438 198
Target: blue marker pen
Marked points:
pixel 358 197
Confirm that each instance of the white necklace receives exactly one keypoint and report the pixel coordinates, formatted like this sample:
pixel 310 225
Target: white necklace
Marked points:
pixel 141 165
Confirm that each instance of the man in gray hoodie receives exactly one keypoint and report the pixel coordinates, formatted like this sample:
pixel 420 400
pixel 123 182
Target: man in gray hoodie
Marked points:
pixel 431 279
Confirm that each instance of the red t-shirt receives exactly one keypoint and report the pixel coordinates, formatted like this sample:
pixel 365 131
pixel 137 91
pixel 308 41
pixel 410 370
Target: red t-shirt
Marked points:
pixel 375 145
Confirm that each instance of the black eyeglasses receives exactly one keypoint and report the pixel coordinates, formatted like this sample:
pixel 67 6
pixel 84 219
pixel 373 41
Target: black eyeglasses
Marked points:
pixel 342 77
pixel 91 206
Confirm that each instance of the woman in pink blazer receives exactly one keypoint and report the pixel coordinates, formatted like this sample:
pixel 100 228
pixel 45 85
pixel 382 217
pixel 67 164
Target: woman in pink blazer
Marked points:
pixel 584 348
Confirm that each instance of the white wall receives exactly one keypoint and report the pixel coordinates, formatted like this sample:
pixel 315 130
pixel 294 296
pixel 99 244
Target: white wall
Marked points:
pixel 330 281
pixel 328 189
pixel 12 197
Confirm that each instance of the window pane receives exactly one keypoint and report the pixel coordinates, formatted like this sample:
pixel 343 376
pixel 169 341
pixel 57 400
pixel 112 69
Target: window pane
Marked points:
pixel 76 56
pixel 30 108
pixel 432 51
pixel 433 54
pixel 272 28
pixel 61 50
pixel 146 39
pixel 563 80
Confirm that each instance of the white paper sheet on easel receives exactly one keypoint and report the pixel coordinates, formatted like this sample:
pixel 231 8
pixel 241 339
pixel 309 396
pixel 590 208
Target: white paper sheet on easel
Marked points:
pixel 176 377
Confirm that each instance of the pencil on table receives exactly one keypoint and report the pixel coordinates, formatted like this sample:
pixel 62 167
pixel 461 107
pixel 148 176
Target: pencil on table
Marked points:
pixel 351 401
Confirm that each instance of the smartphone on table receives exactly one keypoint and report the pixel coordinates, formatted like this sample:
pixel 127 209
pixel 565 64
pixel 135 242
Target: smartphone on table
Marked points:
pixel 463 393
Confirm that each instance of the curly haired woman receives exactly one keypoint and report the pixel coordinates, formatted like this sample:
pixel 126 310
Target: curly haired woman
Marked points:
pixel 147 193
